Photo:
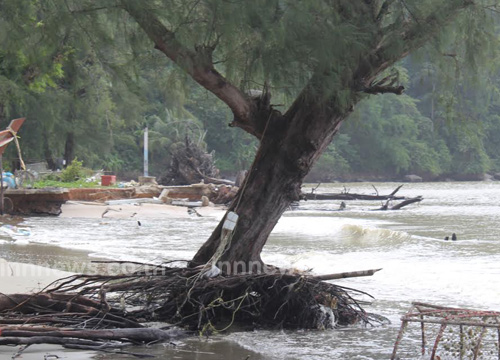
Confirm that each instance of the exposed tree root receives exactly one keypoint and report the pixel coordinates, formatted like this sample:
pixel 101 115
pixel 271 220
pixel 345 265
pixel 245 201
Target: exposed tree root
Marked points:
pixel 179 296
pixel 190 163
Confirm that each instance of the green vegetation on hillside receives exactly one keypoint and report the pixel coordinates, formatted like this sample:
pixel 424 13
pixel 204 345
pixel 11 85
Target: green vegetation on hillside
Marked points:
pixel 89 83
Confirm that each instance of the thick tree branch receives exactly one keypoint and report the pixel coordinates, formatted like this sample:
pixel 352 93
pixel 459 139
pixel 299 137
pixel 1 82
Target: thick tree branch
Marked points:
pixel 196 62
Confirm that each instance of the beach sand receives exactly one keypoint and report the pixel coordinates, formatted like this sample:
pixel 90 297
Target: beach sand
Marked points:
pixel 95 210
pixel 20 278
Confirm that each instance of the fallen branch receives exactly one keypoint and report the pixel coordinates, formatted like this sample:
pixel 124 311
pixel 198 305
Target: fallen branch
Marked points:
pixel 57 308
pixel 315 188
pixel 345 275
pixel 407 202
pixel 54 340
pixel 142 335
pixel 109 347
pixel 347 196
pixel 401 204
pixel 395 190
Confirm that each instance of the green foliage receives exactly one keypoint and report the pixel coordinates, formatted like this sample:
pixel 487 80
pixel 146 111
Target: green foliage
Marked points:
pixel 64 184
pixel 234 150
pixel 86 70
pixel 386 131
pixel 73 171
pixel 329 167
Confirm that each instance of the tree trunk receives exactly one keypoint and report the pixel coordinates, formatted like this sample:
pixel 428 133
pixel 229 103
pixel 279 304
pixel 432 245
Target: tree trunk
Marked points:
pixel 289 147
pixel 291 143
pixel 69 148
pixel 48 153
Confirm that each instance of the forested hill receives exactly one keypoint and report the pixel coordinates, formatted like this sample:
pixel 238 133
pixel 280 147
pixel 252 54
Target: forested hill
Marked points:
pixel 446 125
pixel 90 95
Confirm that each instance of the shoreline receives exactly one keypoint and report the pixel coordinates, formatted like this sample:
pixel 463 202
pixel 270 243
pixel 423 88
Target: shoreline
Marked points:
pixel 400 181
pixel 92 210
pixel 29 267
pixel 18 277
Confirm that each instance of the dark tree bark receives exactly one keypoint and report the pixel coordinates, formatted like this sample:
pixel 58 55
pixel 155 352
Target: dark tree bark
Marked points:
pixel 48 153
pixel 2 112
pixel 288 149
pixel 291 142
pixel 69 148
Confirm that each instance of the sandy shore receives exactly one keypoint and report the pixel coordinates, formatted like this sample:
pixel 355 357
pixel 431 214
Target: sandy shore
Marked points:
pixel 17 272
pixel 95 210
pixel 20 278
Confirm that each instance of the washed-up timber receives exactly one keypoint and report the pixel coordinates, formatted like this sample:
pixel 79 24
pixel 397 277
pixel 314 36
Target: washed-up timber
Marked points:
pixel 106 311
pixel 345 195
pixel 402 204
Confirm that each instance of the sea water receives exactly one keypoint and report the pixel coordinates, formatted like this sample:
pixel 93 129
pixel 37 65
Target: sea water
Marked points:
pixel 417 264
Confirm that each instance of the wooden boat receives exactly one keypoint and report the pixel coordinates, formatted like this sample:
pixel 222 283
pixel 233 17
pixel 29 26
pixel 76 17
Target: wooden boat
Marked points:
pixel 8 135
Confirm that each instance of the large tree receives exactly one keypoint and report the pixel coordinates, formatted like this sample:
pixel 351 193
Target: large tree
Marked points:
pixel 324 55
pixel 331 52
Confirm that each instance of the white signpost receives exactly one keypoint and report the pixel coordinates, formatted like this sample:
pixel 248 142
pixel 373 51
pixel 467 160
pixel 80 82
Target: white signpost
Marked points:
pixel 146 152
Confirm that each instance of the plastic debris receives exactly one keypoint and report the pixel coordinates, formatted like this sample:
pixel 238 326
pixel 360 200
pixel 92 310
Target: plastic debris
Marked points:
pixel 14 230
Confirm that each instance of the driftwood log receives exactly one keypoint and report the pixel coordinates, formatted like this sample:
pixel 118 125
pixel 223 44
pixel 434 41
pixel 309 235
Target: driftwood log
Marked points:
pixel 402 204
pixel 143 335
pixel 85 339
pixel 346 275
pixel 345 195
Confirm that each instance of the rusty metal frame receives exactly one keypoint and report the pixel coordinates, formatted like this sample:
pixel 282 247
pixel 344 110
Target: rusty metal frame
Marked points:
pixel 447 316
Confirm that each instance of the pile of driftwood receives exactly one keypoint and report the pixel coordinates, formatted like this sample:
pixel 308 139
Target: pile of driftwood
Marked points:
pixel 104 312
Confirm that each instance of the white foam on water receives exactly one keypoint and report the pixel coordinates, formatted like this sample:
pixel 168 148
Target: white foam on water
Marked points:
pixel 123 239
pixel 418 265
